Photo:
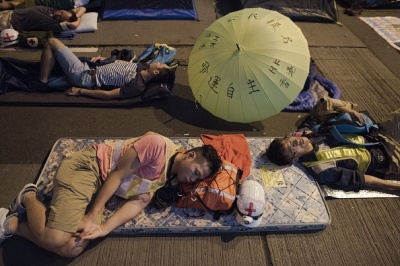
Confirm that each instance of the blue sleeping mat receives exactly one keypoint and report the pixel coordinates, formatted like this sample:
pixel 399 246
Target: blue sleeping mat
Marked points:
pixel 294 200
pixel 145 9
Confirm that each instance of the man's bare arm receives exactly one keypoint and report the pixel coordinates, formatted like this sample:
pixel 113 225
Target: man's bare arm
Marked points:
pixel 126 166
pixel 375 182
pixel 79 12
pixel 127 212
pixel 99 94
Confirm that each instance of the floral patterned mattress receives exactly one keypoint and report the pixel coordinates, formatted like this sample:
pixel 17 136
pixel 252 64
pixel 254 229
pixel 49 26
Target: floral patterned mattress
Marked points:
pixel 293 199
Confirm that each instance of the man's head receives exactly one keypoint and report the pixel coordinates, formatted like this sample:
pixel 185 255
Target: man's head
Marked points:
pixel 197 164
pixel 65 16
pixel 161 73
pixel 284 151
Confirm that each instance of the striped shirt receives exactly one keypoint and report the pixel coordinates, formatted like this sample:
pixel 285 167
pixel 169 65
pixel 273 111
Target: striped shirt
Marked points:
pixel 115 74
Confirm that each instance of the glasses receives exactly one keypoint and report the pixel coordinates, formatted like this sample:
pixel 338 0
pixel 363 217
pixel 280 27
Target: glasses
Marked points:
pixel 294 154
pixel 293 147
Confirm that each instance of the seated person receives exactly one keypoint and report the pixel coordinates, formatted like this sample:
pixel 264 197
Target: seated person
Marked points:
pixel 143 165
pixel 41 18
pixel 127 79
pixel 329 160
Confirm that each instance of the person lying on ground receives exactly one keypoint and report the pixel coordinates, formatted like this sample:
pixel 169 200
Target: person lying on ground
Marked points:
pixel 6 5
pixel 41 18
pixel 91 6
pixel 61 4
pixel 56 4
pixel 144 164
pixel 343 166
pixel 127 79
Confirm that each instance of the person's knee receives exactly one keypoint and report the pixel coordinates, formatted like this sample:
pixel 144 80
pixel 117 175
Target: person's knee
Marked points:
pixel 69 253
pixel 53 44
pixel 47 45
pixel 73 248
pixel 145 199
pixel 63 244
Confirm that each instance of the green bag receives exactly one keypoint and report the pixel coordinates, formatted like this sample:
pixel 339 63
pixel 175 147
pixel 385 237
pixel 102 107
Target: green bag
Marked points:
pixel 34 39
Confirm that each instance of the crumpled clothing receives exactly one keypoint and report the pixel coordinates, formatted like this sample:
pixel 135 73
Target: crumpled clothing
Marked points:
pixel 232 148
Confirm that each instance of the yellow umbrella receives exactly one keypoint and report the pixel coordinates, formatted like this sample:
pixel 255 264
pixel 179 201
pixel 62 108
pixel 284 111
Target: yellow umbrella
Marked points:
pixel 249 65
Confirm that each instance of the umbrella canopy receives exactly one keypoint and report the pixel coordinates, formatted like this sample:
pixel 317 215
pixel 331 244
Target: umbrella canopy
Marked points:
pixel 249 65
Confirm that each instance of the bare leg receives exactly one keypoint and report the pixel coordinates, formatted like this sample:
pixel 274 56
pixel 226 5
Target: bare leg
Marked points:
pixel 35 230
pixel 374 182
pixel 47 59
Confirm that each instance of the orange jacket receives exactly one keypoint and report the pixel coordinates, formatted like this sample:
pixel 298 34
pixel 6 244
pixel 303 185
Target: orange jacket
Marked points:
pixel 232 148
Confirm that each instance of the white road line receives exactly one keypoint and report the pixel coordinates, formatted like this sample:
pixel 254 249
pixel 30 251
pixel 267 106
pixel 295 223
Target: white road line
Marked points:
pixel 73 49
pixel 84 49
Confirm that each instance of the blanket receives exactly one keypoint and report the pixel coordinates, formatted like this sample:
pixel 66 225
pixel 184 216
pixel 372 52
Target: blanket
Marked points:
pixel 387 27
pixel 315 88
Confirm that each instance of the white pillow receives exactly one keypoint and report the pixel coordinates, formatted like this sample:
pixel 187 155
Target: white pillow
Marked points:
pixel 88 22
pixel 78 3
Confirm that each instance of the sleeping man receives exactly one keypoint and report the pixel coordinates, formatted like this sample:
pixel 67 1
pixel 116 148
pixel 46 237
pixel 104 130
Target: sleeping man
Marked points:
pixel 132 169
pixel 346 166
pixel 6 5
pixel 41 18
pixel 127 79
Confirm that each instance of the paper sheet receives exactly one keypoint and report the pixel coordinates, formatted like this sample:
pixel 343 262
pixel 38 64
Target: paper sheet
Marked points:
pixel 272 176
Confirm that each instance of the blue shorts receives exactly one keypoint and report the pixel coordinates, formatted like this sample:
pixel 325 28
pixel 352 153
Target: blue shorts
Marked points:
pixel 77 72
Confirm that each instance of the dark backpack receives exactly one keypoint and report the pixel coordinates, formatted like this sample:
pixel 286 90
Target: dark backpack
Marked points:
pixel 124 54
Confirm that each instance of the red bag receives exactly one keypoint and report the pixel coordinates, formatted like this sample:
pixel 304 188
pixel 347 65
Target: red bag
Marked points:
pixel 215 193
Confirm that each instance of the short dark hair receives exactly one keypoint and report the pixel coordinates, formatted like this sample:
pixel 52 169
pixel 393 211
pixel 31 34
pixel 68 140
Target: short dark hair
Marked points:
pixel 276 152
pixel 210 154
pixel 73 17
pixel 165 75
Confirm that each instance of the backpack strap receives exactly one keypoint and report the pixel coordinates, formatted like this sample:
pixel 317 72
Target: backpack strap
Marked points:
pixel 339 137
pixel 344 123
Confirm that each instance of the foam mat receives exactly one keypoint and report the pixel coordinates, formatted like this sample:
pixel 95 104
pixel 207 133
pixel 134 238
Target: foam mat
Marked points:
pixel 294 200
